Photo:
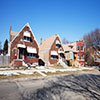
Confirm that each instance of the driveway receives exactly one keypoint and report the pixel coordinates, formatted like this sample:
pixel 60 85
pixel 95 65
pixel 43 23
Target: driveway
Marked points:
pixel 82 86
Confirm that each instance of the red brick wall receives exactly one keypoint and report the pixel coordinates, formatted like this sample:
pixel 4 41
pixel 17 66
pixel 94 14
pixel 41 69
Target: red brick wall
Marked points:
pixel 17 63
pixel 80 43
pixel 53 47
pixel 19 40
pixel 31 60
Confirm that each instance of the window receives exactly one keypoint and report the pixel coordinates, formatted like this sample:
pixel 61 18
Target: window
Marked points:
pixel 82 48
pixel 82 57
pixel 32 55
pixel 78 57
pixel 97 52
pixel 78 48
pixel 82 64
pixel 27 39
pixel 71 47
pixel 62 55
pixel 97 59
pixel 70 55
pixel 54 57
pixel 58 45
pixel 74 56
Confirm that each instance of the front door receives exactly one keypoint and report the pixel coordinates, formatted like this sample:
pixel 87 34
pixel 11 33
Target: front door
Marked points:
pixel 21 53
pixel 61 56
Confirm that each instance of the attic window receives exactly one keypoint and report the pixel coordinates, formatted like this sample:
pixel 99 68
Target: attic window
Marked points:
pixel 58 45
pixel 28 39
pixel 54 57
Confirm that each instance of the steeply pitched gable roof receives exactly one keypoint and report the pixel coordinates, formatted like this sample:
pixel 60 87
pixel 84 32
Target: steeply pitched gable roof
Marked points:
pixel 13 33
pixel 46 44
pixel 17 33
pixel 67 47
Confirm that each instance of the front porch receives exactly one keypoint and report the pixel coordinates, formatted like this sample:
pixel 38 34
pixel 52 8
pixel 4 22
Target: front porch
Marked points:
pixel 27 55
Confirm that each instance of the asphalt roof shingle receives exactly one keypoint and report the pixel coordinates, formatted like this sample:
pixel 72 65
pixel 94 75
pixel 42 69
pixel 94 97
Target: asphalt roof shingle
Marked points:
pixel 46 44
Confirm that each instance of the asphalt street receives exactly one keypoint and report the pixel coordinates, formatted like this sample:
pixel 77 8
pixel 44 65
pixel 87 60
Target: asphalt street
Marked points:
pixel 82 86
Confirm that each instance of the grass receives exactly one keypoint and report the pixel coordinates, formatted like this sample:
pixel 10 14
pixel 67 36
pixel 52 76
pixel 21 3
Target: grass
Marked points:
pixel 4 67
pixel 59 72
pixel 19 76
pixel 69 72
pixel 49 73
pixel 57 67
pixel 92 70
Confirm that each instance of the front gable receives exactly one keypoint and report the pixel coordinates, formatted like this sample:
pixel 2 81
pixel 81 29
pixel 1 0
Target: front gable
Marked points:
pixel 20 37
pixel 55 51
pixel 56 41
pixel 24 43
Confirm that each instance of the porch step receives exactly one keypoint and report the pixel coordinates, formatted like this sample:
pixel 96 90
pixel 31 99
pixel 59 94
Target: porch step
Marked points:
pixel 63 64
pixel 41 73
pixel 24 64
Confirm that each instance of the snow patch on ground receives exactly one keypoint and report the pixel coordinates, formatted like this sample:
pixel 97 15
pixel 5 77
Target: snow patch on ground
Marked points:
pixel 39 70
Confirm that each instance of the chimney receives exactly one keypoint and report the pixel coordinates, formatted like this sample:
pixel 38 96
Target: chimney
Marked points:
pixel 10 33
pixel 10 28
pixel 40 41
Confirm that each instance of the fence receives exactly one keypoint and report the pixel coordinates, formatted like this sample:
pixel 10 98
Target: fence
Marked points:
pixel 4 60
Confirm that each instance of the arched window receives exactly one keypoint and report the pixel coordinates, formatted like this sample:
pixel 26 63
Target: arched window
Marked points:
pixel 70 55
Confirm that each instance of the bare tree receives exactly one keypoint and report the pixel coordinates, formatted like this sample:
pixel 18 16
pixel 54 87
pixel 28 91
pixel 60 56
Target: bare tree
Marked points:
pixel 92 43
pixel 65 41
pixel 92 38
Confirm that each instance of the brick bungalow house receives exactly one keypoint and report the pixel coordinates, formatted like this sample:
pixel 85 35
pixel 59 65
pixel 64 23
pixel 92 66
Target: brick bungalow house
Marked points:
pixel 92 56
pixel 51 50
pixel 23 47
pixel 75 53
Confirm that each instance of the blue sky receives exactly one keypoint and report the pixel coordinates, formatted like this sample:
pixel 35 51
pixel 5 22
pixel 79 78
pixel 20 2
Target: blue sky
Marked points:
pixel 68 18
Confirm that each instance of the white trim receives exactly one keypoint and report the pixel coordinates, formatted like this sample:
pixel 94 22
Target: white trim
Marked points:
pixel 27 34
pixel 33 34
pixel 54 40
pixel 57 42
pixel 54 53
pixel 18 54
pixel 21 45
pixel 60 51
pixel 21 30
pixel 31 50
pixel 9 46
pixel 82 59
